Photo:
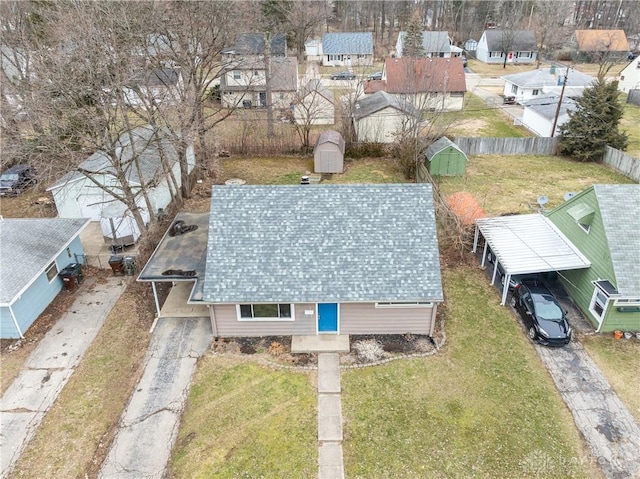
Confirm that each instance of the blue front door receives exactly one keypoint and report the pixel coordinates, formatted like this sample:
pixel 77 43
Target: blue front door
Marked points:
pixel 327 317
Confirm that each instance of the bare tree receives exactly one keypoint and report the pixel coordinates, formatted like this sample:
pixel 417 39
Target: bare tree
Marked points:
pixel 549 24
pixel 313 106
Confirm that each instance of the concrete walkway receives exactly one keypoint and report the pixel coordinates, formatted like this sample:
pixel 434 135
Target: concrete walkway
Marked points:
pixel 50 365
pixel 610 430
pixel 330 464
pixel 149 425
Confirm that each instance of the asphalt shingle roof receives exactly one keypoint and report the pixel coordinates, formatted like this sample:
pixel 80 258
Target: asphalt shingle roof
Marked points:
pixel 620 211
pixel 253 44
pixel 324 243
pixel 439 145
pixel 519 40
pixel 547 105
pixel 347 43
pixel 543 78
pixel 379 101
pixel 28 246
pixel 331 136
pixel 602 40
pixel 148 157
pixel 416 75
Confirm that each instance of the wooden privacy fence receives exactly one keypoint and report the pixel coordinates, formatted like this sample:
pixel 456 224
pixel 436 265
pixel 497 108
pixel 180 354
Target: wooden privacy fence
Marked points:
pixel 620 161
pixel 507 146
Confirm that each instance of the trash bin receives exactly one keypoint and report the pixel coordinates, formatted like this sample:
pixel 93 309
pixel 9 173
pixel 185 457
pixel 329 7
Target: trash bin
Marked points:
pixel 116 263
pixel 71 276
pixel 129 265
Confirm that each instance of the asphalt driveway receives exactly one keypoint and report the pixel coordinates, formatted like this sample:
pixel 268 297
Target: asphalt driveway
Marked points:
pixel 149 425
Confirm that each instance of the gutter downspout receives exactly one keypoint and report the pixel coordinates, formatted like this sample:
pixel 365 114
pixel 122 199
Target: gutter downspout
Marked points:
pixel 155 297
pixel 15 322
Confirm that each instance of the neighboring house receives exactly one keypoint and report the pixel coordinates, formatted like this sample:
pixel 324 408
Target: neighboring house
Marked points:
pixel 444 158
pixel 322 259
pixel 471 45
pixel 434 44
pixel 525 86
pixel 33 252
pixel 328 153
pixel 540 113
pixel 78 196
pixel 517 46
pixel 428 83
pixel 595 45
pixel 347 49
pixel 381 117
pixel 603 223
pixel 244 83
pixel 629 77
pixel 162 85
pixel 314 105
pixel 251 46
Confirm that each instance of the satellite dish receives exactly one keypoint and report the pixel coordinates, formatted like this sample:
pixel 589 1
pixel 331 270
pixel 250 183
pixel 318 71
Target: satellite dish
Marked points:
pixel 542 200
pixel 569 195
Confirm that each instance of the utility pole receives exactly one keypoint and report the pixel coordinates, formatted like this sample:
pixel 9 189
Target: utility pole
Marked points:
pixel 555 120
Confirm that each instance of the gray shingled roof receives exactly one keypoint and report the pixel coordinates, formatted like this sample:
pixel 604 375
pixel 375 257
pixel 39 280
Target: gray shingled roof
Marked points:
pixel 519 40
pixel 620 211
pixel 547 105
pixel 543 78
pixel 324 243
pixel 28 246
pixel 379 101
pixel 433 41
pixel 253 44
pixel 349 43
pixel 331 136
pixel 157 77
pixel 439 145
pixel 148 158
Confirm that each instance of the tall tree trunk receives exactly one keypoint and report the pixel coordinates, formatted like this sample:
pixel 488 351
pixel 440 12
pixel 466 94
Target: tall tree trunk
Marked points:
pixel 267 77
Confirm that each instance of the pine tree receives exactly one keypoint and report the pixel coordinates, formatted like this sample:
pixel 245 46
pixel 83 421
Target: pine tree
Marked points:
pixel 594 123
pixel 412 39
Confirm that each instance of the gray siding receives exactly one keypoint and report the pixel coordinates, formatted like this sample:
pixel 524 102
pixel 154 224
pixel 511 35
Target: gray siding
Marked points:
pixel 227 324
pixel 365 318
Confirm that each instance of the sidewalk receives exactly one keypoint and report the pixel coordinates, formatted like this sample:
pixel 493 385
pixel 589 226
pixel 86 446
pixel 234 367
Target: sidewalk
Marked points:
pixel 50 366
pixel 330 461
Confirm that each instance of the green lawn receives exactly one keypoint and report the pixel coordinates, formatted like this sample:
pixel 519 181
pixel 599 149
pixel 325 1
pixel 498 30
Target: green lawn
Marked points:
pixel 512 184
pixel 619 360
pixel 631 124
pixel 247 421
pixel 483 407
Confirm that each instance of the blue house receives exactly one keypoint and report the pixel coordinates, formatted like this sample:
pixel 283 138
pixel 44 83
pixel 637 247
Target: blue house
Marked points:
pixel 347 49
pixel 32 252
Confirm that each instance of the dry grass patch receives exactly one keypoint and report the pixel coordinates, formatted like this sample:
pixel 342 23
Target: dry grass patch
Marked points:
pixel 76 432
pixel 512 184
pixel 619 360
pixel 629 123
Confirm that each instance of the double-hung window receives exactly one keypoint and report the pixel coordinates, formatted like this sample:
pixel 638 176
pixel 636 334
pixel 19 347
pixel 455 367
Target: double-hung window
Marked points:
pixel 51 271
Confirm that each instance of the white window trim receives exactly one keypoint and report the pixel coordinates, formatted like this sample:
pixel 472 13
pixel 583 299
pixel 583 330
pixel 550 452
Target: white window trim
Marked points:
pixel 292 318
pixel 584 227
pixel 49 268
pixel 592 303
pixel 403 304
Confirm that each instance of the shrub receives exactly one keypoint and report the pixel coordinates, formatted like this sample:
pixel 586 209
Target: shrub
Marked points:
pixel 276 349
pixel 368 350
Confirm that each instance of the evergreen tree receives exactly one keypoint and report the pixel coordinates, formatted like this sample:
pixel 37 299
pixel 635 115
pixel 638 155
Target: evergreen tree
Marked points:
pixel 594 123
pixel 412 39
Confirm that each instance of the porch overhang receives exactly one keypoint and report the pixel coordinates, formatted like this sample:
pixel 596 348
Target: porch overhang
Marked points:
pixel 524 244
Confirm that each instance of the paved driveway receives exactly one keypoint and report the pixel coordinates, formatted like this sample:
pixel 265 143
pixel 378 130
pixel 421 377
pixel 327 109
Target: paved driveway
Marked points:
pixel 149 425
pixel 608 427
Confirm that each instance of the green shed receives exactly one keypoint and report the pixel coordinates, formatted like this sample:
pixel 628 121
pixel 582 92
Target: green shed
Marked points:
pixel 444 158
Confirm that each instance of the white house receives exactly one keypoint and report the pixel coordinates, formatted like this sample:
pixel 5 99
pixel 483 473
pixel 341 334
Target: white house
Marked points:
pixel 518 46
pixel 629 77
pixel 434 44
pixel 80 193
pixel 380 117
pixel 162 85
pixel 525 86
pixel 313 50
pixel 539 114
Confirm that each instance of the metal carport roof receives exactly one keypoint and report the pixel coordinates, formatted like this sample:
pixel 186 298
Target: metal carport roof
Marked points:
pixel 527 244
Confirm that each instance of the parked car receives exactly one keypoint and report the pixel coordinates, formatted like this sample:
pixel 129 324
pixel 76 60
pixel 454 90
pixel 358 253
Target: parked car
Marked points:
pixel 509 100
pixel 345 75
pixel 464 61
pixel 541 313
pixel 375 76
pixel 16 179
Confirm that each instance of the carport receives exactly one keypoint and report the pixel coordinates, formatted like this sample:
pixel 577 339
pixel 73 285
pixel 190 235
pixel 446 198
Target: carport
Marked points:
pixel 525 244
pixel 180 259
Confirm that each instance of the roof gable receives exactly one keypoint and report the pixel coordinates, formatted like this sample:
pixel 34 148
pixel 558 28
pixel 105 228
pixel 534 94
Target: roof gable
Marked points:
pixel 380 100
pixel 432 42
pixel 602 40
pixel 439 145
pixel 28 247
pixel 322 243
pixel 254 43
pixel 331 136
pixel 347 43
pixel 418 75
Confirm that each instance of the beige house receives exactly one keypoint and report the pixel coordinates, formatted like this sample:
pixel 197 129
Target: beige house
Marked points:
pixel 328 154
pixel 381 117
pixel 314 105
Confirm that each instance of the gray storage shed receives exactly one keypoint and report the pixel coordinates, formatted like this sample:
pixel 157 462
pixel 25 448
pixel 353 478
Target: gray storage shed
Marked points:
pixel 444 158
pixel 328 154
